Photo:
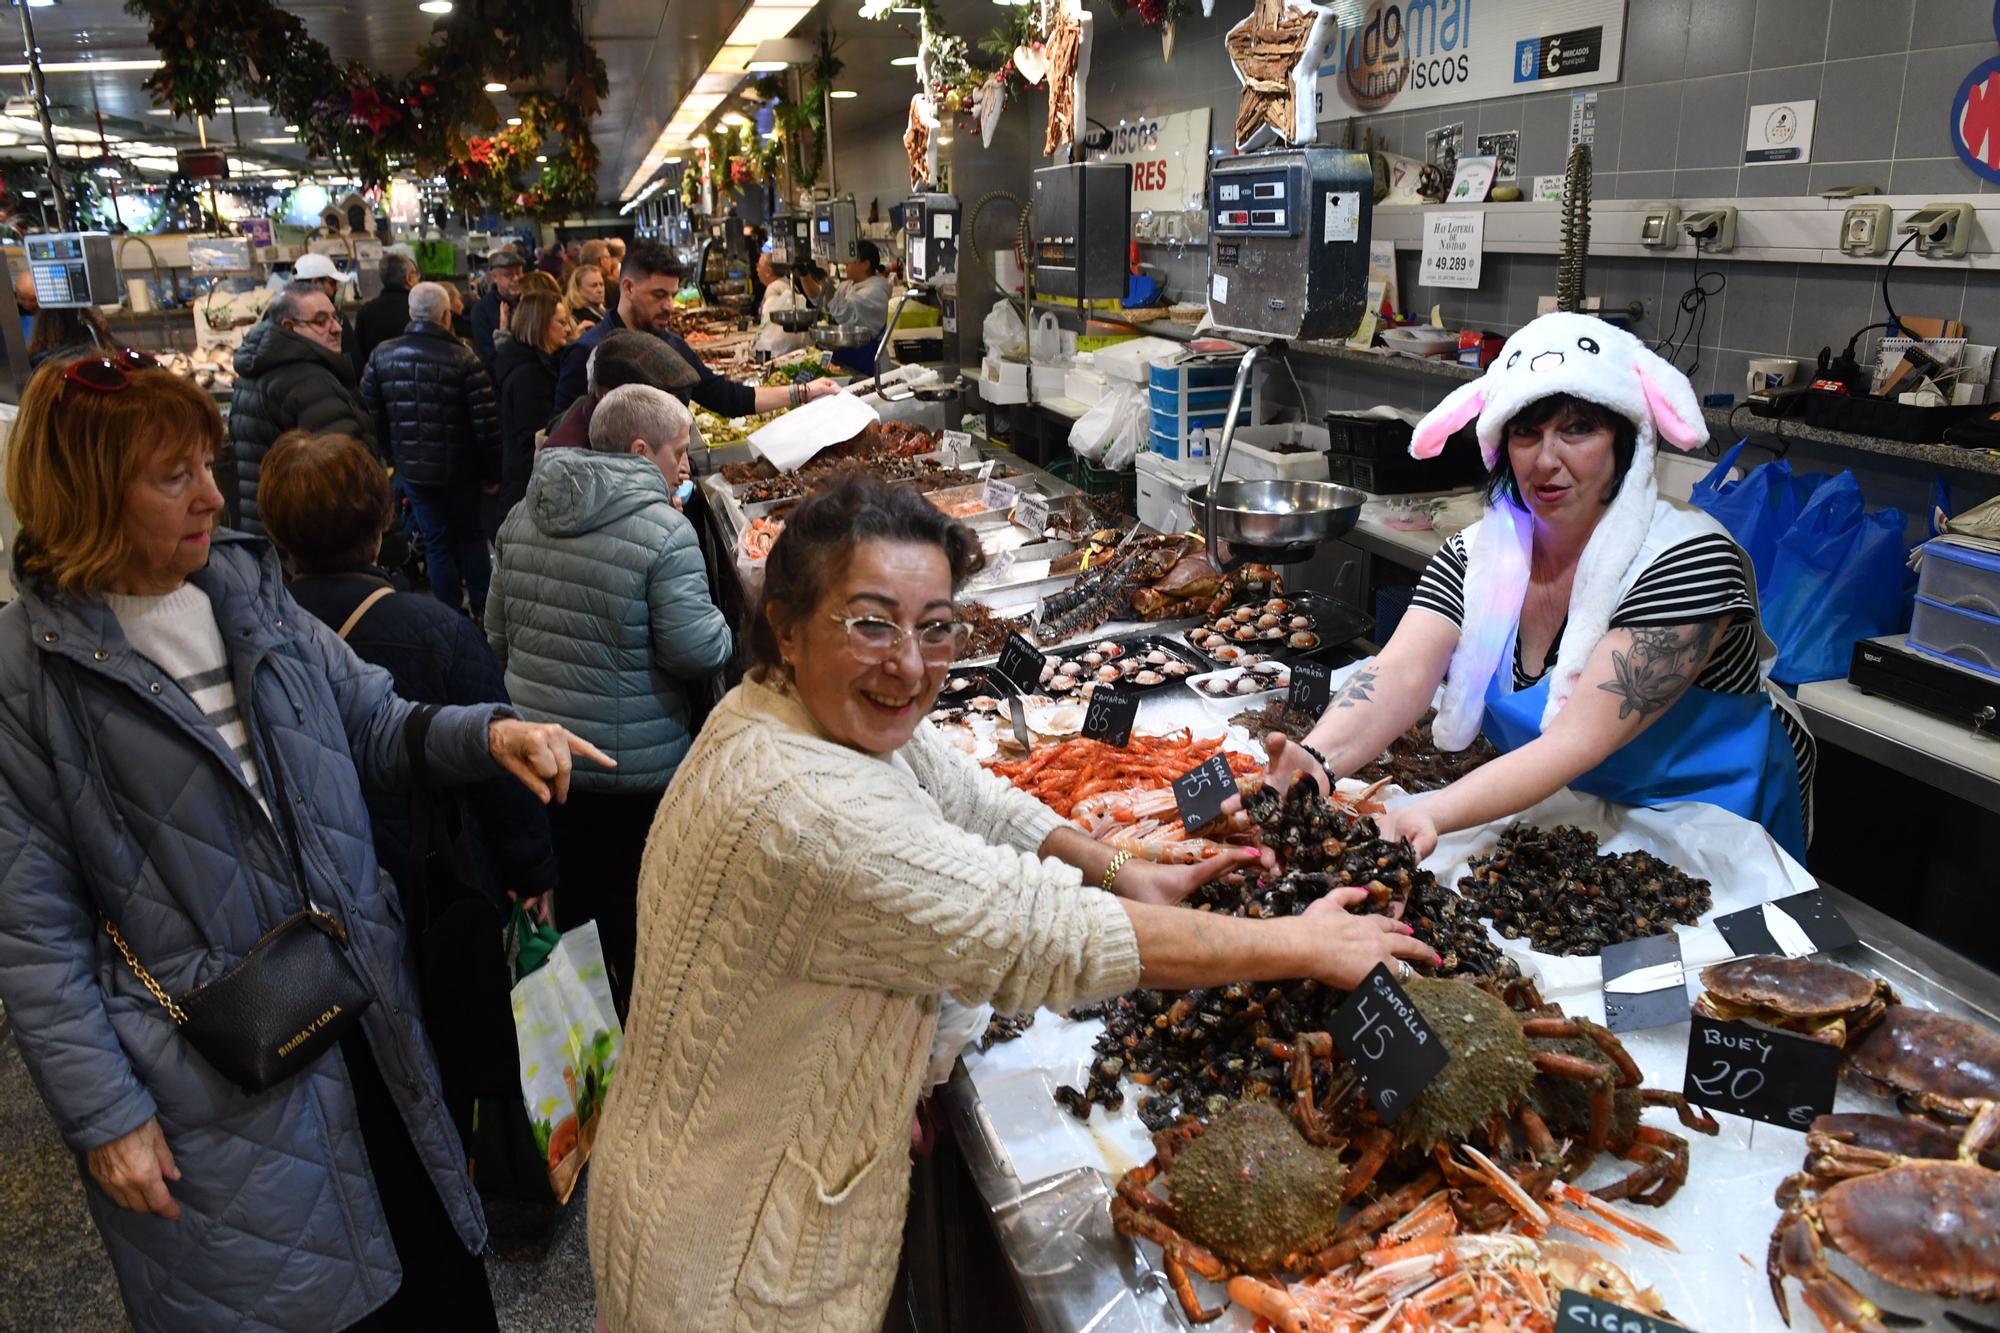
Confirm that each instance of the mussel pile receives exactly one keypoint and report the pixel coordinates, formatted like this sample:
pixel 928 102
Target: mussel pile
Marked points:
pixel 1415 764
pixel 1195 1051
pixel 1554 889
pixel 1005 1027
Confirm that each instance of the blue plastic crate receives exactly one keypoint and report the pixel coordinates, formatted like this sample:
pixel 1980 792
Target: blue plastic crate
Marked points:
pixel 1183 378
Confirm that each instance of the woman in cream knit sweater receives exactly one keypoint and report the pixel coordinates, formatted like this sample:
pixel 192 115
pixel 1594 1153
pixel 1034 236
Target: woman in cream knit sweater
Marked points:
pixel 821 870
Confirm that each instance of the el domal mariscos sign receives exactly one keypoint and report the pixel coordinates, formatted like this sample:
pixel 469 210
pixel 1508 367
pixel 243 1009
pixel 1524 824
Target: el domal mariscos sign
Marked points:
pixel 1406 54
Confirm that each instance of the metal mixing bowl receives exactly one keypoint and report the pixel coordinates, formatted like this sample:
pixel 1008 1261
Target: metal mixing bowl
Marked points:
pixel 1279 513
pixel 795 320
pixel 834 336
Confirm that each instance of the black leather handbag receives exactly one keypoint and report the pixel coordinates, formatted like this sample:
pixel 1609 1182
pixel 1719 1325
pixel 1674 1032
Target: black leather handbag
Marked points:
pixel 276 1010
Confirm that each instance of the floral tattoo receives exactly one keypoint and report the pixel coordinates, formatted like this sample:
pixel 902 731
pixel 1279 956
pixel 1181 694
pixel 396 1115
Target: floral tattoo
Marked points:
pixel 1661 664
pixel 1360 687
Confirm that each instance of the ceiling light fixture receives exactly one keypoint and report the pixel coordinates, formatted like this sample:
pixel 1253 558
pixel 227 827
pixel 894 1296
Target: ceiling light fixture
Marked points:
pixel 435 6
pixel 496 87
pixel 291 129
pixel 842 94
pixel 904 61
pixel 540 158
pixel 734 120
pixel 513 120
pixel 767 66
pixel 86 67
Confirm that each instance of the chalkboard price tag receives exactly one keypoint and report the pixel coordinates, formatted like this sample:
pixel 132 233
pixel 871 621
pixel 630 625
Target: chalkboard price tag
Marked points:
pixel 1578 1313
pixel 997 494
pixel 1644 983
pixel 1385 1040
pixel 1758 1072
pixel 1020 665
pixel 1200 791
pixel 1110 716
pixel 1311 688
pixel 1802 924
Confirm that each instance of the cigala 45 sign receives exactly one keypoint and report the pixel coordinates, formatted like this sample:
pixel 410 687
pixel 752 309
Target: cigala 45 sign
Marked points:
pixel 1407 54
pixel 1169 157
pixel 1975 114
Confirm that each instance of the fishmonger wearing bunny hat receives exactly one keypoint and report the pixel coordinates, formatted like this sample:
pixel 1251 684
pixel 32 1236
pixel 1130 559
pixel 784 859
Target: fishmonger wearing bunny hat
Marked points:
pixel 1603 638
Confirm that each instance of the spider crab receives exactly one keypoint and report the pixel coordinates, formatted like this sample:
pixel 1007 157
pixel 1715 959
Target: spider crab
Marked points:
pixel 1568 1106
pixel 1923 1220
pixel 1823 1001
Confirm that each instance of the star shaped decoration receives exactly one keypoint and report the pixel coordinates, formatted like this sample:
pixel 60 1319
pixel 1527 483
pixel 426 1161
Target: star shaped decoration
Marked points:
pixel 1275 53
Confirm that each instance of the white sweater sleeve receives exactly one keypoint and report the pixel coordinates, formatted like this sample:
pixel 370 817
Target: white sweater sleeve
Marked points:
pixel 921 907
pixel 974 799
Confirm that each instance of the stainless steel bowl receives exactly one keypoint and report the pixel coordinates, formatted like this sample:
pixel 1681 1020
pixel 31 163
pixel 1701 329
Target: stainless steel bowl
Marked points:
pixel 1279 513
pixel 834 336
pixel 794 320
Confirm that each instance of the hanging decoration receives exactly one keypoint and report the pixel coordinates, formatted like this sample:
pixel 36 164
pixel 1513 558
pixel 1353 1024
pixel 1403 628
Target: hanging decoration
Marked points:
pixel 1069 61
pixel 949 80
pixel 1280 84
pixel 919 143
pixel 1162 14
pixel 436 120
pixel 799 127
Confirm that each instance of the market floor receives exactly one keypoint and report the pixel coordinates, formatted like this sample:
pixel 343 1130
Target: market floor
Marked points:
pixel 56 1274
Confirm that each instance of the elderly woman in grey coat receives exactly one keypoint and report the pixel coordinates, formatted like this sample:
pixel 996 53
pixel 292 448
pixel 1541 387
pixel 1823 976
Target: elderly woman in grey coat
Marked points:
pixel 600 614
pixel 182 758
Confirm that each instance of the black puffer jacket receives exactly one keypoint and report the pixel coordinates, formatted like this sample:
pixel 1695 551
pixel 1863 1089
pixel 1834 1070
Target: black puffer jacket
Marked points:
pixel 527 380
pixel 434 407
pixel 284 382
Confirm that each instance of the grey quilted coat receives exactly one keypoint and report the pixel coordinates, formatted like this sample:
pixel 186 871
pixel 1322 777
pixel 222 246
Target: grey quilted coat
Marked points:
pixel 600 613
pixel 118 798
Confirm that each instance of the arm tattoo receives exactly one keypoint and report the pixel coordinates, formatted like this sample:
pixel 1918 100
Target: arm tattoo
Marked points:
pixel 1359 689
pixel 1661 664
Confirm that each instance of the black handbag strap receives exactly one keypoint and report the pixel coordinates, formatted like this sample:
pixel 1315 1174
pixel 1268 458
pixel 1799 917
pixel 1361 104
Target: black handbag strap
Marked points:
pixel 437 829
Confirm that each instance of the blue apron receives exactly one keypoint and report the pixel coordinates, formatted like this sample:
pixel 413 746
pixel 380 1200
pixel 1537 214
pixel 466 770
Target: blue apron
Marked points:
pixel 1729 750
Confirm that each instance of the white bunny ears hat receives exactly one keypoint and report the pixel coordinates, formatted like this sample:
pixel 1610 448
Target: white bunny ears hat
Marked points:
pixel 1582 356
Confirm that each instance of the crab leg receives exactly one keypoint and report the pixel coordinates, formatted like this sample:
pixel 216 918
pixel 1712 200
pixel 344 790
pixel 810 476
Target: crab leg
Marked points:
pixel 1505 1185
pixel 1269 1302
pixel 1985 1125
pixel 1570 1194
pixel 1697 1120
pixel 1177 1278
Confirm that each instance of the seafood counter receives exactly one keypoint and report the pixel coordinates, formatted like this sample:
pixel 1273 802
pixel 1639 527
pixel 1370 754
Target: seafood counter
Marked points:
pixel 1163 1159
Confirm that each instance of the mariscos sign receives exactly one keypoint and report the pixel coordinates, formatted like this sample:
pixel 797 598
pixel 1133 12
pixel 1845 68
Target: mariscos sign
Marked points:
pixel 1406 54
pixel 1169 157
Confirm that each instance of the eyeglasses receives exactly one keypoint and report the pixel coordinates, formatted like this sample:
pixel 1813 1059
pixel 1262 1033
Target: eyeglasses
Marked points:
pixel 108 374
pixel 319 321
pixel 874 640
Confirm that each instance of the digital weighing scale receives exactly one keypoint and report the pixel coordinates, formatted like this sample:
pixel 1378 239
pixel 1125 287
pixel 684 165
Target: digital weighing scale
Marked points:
pixel 835 233
pixel 72 269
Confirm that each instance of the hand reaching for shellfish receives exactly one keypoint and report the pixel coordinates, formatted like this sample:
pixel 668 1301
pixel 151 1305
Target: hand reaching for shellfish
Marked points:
pixel 1412 824
pixel 1170 885
pixel 1346 947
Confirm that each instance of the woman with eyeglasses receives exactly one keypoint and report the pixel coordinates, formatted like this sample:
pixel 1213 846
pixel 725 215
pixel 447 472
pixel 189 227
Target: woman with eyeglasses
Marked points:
pixel 183 756
pixel 823 868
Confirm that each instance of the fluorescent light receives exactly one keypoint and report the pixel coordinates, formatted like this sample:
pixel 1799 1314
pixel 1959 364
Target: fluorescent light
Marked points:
pixel 540 158
pixel 222 101
pixel 291 129
pixel 435 6
pixel 904 60
pixel 513 120
pixel 85 66
pixel 842 94
pixel 278 138
pixel 767 66
pixel 733 120
pixel 674 161
pixel 496 87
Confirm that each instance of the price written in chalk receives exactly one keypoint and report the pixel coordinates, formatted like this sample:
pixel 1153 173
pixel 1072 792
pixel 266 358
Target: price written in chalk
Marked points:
pixel 1759 1073
pixel 1384 1038
pixel 997 494
pixel 1110 716
pixel 957 443
pixel 1031 511
pixel 1579 1313
pixel 1020 665
pixel 1200 792
pixel 1311 688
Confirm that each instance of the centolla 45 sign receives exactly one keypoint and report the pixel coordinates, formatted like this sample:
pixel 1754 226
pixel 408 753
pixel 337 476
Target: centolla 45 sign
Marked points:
pixel 1406 54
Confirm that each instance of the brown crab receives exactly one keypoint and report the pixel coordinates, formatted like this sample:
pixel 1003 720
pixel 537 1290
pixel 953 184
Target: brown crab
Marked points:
pixel 1936 1065
pixel 1919 1223
pixel 1820 1000
pixel 1660 1157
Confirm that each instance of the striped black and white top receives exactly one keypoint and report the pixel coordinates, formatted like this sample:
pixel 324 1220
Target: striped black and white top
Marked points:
pixel 1699 579
pixel 178 633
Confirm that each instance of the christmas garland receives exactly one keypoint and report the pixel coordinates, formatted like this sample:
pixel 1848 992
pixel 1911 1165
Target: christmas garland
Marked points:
pixel 370 122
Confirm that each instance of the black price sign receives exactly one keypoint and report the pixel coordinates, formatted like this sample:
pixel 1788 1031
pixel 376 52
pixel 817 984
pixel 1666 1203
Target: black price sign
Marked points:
pixel 1578 1313
pixel 1802 924
pixel 1200 791
pixel 1384 1037
pixel 1759 1072
pixel 1020 665
pixel 1644 985
pixel 1110 716
pixel 1311 688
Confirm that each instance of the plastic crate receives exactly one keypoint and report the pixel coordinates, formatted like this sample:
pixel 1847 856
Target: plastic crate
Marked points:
pixel 1186 377
pixel 1367 437
pixel 1098 483
pixel 1960 577
pixel 1966 638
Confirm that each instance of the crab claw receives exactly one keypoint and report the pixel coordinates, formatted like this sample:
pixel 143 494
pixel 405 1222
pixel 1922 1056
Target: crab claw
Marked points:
pixel 1506 1187
pixel 1272 1303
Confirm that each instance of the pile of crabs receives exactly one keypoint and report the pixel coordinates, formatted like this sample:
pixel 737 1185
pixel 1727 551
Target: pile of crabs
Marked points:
pixel 1279 1180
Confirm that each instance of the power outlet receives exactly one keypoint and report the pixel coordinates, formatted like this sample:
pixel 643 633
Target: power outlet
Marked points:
pixel 1944 231
pixel 1864 229
pixel 1661 227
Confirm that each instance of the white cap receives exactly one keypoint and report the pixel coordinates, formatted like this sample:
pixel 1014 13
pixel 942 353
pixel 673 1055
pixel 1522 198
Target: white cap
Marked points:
pixel 314 266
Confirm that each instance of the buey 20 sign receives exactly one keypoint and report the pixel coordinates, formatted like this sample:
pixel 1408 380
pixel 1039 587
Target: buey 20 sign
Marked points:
pixel 1169 157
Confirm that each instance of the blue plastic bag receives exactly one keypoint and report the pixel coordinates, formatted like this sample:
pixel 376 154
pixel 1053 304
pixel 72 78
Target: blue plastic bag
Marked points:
pixel 1839 574
pixel 1757 510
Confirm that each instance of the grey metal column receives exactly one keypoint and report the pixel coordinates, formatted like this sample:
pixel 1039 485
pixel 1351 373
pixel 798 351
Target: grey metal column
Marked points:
pixel 33 56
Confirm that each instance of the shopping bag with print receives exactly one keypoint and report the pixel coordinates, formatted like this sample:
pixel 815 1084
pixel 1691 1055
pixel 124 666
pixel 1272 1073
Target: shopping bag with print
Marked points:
pixel 569 1037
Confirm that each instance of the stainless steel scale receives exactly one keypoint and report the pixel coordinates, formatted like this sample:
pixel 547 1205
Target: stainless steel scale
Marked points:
pixel 1288 258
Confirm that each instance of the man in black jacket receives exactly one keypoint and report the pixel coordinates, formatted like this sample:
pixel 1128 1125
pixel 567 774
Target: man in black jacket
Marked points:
pixel 503 271
pixel 435 410
pixel 291 374
pixel 384 317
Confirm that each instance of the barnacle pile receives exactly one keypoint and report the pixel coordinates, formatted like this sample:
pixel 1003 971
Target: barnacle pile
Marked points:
pixel 1198 1050
pixel 1414 763
pixel 1553 889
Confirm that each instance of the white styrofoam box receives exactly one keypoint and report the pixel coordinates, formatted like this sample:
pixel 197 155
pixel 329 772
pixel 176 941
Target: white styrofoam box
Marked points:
pixel 1002 382
pixel 1133 360
pixel 1163 485
pixel 1250 459
pixel 1677 474
pixel 1086 386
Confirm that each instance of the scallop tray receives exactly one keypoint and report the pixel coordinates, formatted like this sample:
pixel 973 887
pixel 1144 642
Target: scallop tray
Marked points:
pixel 1131 649
pixel 1336 624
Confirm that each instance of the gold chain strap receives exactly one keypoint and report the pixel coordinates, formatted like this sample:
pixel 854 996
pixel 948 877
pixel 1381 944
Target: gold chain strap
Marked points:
pixel 139 971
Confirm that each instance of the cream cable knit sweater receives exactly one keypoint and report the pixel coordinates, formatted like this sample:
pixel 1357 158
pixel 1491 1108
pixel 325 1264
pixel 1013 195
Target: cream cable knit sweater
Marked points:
pixel 801 907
